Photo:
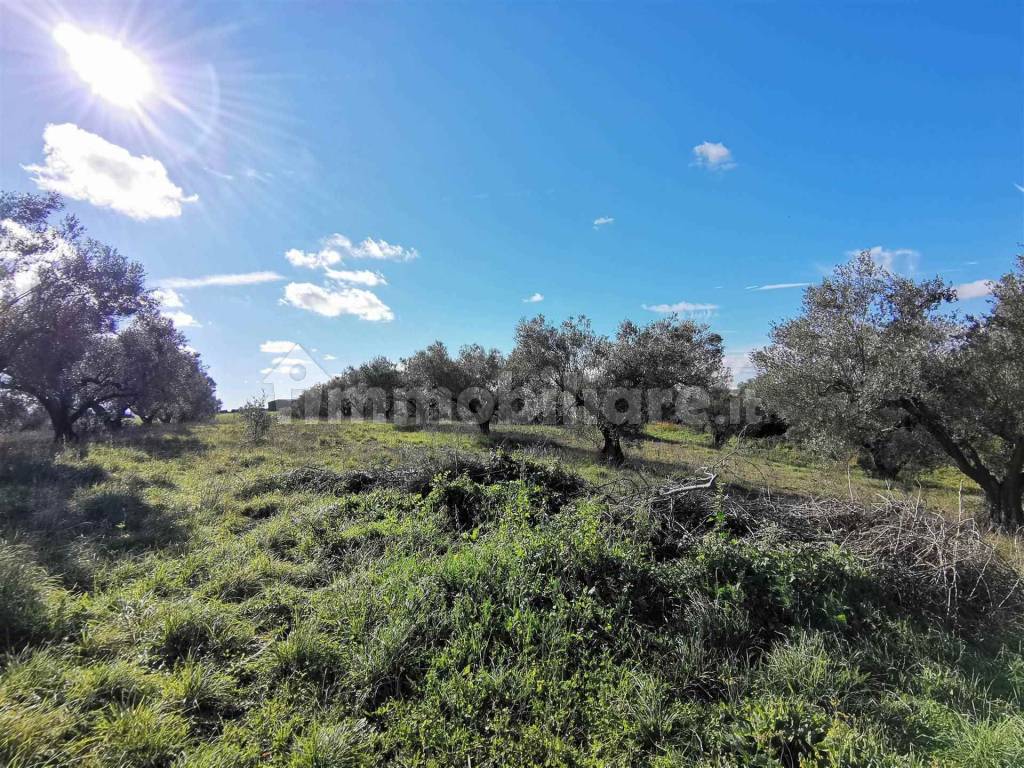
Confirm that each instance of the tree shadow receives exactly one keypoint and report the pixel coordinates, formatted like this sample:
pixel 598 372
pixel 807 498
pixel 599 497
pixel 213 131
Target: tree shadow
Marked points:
pixel 74 516
pixel 37 465
pixel 160 442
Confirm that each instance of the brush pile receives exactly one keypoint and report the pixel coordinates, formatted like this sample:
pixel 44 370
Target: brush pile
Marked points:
pixel 947 569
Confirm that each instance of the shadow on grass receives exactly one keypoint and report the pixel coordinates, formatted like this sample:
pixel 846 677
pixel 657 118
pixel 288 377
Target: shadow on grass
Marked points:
pixel 543 444
pixel 159 442
pixel 73 515
pixel 35 464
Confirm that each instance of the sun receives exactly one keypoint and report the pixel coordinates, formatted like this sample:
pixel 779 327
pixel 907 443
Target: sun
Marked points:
pixel 111 70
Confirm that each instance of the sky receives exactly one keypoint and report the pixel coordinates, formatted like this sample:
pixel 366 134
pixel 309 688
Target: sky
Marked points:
pixel 361 179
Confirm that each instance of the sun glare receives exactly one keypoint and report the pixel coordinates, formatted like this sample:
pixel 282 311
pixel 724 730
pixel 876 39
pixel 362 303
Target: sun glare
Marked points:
pixel 110 69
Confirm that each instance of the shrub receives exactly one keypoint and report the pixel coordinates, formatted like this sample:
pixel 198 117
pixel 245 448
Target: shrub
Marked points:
pixel 256 419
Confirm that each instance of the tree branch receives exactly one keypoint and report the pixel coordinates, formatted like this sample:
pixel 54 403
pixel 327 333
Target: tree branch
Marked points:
pixel 962 453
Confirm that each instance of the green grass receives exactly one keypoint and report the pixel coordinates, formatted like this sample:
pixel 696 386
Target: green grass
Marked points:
pixel 174 597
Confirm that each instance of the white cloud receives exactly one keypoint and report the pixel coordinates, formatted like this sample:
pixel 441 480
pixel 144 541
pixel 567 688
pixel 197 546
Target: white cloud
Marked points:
pixel 277 347
pixel 340 297
pixel 182 319
pixel 330 357
pixel 975 290
pixel 357 276
pixel 900 260
pixel 534 299
pixel 168 298
pixel 1019 187
pixel 338 248
pixel 244 278
pixel 601 221
pixel 312 260
pixel 370 249
pixel 345 301
pixel 681 307
pixel 714 156
pixel 171 305
pixel 776 286
pixel 84 166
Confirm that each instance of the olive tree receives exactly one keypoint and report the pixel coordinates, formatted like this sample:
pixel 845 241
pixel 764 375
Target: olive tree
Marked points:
pixel 734 412
pixel 648 363
pixel 554 358
pixel 483 375
pixel 196 398
pixel 58 322
pixel 18 412
pixel 29 247
pixel 871 349
pixel 78 331
pixel 612 379
pixel 163 379
pixel 470 381
pixel 434 378
pixel 358 391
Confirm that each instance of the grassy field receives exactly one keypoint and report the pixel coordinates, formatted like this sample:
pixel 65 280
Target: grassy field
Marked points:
pixel 353 594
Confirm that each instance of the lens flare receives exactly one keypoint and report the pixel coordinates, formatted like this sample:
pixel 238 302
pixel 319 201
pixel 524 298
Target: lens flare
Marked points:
pixel 111 70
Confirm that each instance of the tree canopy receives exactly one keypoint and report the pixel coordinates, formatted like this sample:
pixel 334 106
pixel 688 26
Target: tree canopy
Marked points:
pixel 871 351
pixel 67 336
pixel 611 379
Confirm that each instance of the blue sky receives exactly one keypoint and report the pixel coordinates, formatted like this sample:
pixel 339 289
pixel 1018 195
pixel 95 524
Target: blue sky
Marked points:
pixel 476 146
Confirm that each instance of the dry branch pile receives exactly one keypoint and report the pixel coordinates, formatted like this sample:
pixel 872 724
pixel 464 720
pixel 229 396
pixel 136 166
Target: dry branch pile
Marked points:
pixel 945 568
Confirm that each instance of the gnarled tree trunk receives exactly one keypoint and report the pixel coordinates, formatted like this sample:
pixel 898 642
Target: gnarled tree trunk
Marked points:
pixel 877 460
pixel 61 421
pixel 611 451
pixel 1005 504
pixel 1002 496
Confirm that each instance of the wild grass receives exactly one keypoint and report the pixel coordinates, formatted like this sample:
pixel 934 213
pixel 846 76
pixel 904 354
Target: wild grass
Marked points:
pixel 352 594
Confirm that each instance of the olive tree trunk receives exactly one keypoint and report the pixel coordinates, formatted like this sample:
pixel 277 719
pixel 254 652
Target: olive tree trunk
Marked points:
pixel 61 421
pixel 611 451
pixel 1005 505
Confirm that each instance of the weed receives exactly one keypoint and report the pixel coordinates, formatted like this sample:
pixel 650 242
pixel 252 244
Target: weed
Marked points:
pixel 417 598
